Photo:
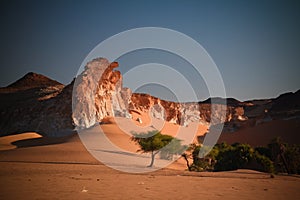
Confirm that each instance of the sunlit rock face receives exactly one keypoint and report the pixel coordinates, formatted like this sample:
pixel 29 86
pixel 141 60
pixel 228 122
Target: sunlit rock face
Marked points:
pixel 177 113
pixel 98 93
pixel 185 113
pixel 190 112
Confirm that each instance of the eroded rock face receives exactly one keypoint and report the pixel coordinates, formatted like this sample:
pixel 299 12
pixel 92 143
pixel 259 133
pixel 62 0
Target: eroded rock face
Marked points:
pixel 185 113
pixel 98 93
pixel 177 113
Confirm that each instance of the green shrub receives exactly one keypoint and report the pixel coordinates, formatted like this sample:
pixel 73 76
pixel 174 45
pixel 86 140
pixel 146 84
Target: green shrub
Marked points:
pixel 265 151
pixel 233 157
pixel 276 157
pixel 292 156
pixel 264 162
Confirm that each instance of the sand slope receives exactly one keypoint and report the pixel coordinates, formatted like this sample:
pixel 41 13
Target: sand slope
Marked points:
pixel 83 181
pixel 262 134
pixel 6 142
pixel 62 168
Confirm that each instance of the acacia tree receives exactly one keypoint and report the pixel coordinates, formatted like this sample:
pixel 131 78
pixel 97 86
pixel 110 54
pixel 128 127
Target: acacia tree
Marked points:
pixel 153 142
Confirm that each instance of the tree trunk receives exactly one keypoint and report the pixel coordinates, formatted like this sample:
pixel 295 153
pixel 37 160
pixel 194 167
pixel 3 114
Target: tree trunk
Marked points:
pixel 281 154
pixel 152 158
pixel 285 163
pixel 187 161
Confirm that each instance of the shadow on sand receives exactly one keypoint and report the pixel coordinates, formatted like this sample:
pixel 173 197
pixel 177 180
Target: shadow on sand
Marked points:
pixel 42 141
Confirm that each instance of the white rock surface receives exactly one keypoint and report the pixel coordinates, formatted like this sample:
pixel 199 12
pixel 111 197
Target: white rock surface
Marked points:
pixel 98 94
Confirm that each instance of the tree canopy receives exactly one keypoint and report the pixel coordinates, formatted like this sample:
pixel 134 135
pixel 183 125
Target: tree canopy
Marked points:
pixel 154 142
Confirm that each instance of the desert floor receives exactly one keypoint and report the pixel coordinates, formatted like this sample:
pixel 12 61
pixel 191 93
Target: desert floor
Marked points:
pixel 34 167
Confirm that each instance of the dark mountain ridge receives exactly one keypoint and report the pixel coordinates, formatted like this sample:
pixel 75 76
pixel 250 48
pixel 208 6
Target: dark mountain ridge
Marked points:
pixel 32 80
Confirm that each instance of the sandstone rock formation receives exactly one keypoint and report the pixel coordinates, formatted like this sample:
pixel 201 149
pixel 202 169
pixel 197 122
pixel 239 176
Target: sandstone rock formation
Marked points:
pixel 37 103
pixel 98 93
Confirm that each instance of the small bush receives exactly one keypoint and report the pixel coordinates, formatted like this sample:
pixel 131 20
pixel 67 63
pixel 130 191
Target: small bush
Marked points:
pixel 264 162
pixel 276 157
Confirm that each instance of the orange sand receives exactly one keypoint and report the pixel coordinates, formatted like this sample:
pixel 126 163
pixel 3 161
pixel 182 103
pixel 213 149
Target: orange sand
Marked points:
pixel 61 168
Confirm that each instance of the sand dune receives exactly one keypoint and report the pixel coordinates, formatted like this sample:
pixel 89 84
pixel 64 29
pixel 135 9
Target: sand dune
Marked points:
pixel 262 134
pixel 62 168
pixel 189 133
pixel 6 142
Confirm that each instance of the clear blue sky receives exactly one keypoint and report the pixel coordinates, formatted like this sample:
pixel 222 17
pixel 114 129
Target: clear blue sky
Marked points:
pixel 255 44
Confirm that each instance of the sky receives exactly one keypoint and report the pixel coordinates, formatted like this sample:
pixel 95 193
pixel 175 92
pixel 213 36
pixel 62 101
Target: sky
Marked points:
pixel 255 44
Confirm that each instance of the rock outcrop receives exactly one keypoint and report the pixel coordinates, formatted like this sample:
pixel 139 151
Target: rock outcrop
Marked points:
pixel 185 113
pixel 98 93
pixel 37 103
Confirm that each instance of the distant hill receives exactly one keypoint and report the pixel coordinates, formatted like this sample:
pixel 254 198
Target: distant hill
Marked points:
pixel 288 101
pixel 32 80
pixel 33 103
pixel 223 101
